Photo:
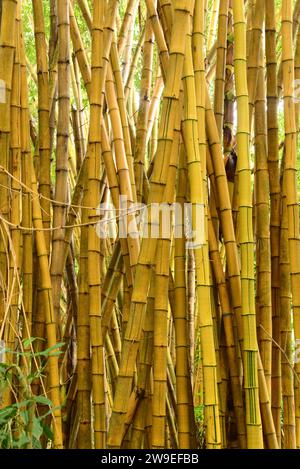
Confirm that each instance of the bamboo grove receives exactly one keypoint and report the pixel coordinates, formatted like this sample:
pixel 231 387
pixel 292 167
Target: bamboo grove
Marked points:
pixel 108 110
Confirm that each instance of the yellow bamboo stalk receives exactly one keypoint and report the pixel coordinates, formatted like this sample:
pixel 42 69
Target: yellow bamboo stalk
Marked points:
pixel 43 113
pixel 273 167
pixel 290 177
pixel 84 7
pixel 221 63
pixel 61 185
pixel 128 21
pixel 83 398
pixel 94 260
pixel 7 48
pixel 27 260
pixel 144 373
pixel 159 35
pixel 213 22
pixel 142 119
pixel 262 228
pixel 253 418
pixel 196 171
pixel 15 171
pixel 288 397
pixel 50 322
pixel 183 382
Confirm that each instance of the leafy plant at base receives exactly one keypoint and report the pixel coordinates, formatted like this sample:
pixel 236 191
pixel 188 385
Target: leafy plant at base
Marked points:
pixel 21 424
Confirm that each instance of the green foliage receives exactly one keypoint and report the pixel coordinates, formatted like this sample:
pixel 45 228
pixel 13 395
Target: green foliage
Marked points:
pixel 199 414
pixel 199 420
pixel 23 422
pixel 20 427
